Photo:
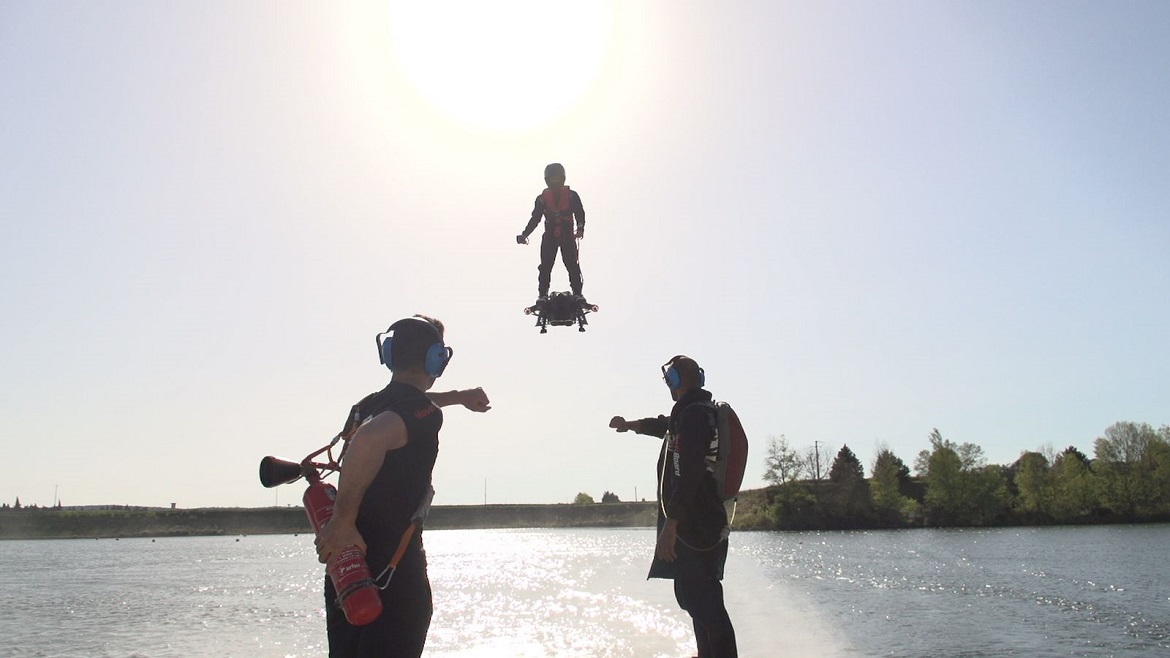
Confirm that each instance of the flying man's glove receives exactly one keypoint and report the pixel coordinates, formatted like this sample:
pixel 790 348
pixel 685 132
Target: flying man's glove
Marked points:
pixel 581 233
pixel 521 239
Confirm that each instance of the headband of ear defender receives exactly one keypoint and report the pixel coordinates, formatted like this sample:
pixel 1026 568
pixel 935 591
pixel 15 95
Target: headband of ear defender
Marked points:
pixel 437 357
pixel 673 377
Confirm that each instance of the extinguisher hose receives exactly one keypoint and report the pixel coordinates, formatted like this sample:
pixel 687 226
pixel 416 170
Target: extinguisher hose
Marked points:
pixel 396 558
pixel 353 587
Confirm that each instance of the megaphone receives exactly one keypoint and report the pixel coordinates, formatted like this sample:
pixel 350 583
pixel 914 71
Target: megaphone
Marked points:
pixel 275 472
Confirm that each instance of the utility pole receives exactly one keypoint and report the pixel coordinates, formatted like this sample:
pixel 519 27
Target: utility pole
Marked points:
pixel 817 461
pixel 817 449
pixel 485 491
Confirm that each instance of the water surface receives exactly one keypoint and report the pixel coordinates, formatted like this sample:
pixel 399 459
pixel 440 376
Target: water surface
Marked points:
pixel 1095 591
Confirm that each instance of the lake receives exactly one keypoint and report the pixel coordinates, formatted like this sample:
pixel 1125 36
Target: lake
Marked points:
pixel 1084 591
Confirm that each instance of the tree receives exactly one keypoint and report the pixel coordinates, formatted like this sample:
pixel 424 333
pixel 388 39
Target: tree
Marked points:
pixel 1159 456
pixel 849 493
pixel 970 455
pixel 888 486
pixel 1034 483
pixel 17 505
pixel 987 490
pixel 943 472
pixel 583 499
pixel 846 467
pixel 782 463
pixel 1072 452
pixel 793 506
pixel 922 461
pixel 1127 459
pixel 810 462
pixel 1124 442
pixel 1074 485
pixel 959 488
pixel 609 497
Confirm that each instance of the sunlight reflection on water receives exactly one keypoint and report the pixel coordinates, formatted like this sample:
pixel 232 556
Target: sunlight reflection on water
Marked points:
pixel 517 593
pixel 548 593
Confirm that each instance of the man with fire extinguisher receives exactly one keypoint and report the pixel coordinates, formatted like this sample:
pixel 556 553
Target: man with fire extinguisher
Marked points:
pixel 393 439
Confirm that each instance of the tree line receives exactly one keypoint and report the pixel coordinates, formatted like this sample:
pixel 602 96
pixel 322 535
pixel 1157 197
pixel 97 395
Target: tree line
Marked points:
pixel 1126 480
pixel 34 506
pixel 585 499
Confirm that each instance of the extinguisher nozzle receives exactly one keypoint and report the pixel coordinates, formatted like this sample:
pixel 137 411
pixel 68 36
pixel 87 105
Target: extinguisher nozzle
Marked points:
pixel 275 472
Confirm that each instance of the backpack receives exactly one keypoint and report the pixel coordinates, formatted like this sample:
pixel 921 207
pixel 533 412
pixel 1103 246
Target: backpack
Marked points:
pixel 731 460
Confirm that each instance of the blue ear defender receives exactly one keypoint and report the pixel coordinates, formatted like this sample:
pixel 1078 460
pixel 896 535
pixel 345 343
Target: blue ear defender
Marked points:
pixel 673 378
pixel 384 350
pixel 437 357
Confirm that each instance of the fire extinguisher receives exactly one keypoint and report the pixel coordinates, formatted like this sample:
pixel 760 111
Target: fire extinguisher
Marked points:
pixel 348 570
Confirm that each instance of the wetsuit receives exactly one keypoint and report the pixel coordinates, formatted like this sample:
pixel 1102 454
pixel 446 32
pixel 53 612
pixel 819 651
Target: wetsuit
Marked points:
pixel 559 208
pixel 384 514
pixel 688 493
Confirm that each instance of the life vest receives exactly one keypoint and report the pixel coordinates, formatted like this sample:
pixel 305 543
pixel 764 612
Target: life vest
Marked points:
pixel 733 450
pixel 727 455
pixel 558 211
pixel 726 458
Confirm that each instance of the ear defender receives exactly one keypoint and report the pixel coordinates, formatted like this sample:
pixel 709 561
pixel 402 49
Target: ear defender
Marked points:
pixel 673 379
pixel 437 357
pixel 384 349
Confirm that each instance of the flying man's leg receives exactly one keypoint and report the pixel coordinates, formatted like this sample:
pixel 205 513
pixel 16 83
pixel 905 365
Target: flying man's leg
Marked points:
pixel 548 256
pixel 570 257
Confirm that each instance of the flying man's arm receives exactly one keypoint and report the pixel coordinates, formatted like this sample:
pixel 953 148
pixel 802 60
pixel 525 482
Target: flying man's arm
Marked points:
pixel 578 210
pixel 537 213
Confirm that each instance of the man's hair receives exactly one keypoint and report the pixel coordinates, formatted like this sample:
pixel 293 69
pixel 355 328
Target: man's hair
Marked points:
pixel 554 169
pixel 412 337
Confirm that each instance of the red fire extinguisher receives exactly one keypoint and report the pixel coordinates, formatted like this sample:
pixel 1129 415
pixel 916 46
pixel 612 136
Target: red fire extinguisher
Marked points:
pixel 348 570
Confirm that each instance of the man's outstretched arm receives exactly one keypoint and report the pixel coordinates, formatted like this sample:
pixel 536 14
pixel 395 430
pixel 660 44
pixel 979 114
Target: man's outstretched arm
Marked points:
pixel 472 398
pixel 648 426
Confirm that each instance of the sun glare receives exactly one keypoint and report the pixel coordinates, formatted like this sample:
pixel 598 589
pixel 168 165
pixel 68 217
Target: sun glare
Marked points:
pixel 501 65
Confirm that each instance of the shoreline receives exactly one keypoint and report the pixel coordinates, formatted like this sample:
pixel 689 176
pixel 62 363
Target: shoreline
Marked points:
pixel 757 510
pixel 216 521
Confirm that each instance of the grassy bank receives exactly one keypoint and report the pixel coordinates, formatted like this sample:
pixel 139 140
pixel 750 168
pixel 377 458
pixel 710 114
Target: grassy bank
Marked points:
pixel 75 524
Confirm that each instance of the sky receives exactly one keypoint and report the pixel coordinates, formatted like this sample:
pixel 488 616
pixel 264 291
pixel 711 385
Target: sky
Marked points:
pixel 865 220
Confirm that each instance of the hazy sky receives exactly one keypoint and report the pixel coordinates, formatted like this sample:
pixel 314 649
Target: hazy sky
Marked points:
pixel 864 219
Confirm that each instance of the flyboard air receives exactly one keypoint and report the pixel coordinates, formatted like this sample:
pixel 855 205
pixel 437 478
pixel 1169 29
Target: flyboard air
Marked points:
pixel 561 309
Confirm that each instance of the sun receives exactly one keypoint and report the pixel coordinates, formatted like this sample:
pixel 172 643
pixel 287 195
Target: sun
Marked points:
pixel 501 65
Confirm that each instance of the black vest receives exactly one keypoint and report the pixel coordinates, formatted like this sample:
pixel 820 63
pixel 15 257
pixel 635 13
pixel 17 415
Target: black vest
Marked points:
pixel 405 476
